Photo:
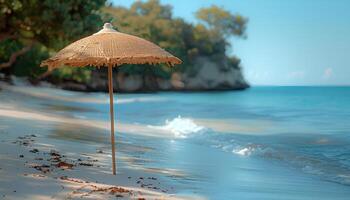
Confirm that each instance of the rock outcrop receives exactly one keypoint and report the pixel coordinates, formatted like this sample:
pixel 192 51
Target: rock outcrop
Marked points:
pixel 205 74
pixel 211 75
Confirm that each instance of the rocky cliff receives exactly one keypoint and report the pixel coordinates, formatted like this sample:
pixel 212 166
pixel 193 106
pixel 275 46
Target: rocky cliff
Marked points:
pixel 205 74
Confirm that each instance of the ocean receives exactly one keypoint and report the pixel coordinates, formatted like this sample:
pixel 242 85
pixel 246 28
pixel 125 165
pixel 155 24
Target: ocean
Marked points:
pixel 301 130
pixel 260 143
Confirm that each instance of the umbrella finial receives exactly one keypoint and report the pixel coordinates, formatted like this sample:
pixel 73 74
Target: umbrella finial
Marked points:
pixel 107 28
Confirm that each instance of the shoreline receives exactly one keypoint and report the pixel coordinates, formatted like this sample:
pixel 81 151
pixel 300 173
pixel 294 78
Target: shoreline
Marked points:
pixel 80 87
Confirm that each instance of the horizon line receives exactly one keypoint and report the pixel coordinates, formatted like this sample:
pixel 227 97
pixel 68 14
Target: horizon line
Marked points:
pixel 332 85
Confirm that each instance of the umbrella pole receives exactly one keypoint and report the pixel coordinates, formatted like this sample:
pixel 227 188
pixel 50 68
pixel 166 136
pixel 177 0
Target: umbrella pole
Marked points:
pixel 111 109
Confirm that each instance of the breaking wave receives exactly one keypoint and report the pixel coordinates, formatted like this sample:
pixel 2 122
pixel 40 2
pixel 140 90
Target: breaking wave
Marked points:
pixel 180 127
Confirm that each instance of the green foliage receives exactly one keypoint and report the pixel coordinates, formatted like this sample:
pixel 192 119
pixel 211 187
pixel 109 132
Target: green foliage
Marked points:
pixel 234 62
pixel 78 74
pixel 222 22
pixel 51 25
pixel 7 47
pixel 153 21
pixel 29 62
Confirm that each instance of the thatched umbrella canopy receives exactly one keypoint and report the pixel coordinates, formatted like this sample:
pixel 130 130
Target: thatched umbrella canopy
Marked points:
pixel 110 48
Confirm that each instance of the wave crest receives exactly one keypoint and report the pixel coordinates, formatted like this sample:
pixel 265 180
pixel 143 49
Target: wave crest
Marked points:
pixel 180 127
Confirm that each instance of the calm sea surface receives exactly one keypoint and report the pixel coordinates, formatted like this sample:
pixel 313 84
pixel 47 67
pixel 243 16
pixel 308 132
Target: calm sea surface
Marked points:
pixel 266 142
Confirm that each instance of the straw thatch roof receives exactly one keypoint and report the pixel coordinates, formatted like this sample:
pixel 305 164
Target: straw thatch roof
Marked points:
pixel 110 47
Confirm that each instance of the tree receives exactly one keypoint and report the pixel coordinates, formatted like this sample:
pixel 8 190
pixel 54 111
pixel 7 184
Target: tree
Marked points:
pixel 152 21
pixel 47 23
pixel 152 9
pixel 31 30
pixel 222 22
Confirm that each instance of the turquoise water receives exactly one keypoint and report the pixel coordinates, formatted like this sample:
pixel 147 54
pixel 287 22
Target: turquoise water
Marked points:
pixel 261 143
pixel 294 142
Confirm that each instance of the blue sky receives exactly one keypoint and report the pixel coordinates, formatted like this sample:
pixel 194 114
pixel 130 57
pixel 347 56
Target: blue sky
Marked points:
pixel 290 42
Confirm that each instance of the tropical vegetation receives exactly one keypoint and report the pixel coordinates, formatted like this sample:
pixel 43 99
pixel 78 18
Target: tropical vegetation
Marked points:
pixel 33 30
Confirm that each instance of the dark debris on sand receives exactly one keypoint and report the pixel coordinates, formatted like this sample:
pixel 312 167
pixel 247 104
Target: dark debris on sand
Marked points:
pixel 26 140
pixel 48 162
pixel 55 160
pixel 34 151
pixel 141 182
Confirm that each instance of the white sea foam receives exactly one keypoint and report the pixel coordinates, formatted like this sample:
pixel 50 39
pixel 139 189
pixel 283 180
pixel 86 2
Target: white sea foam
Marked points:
pixel 251 149
pixel 180 127
pixel 139 99
pixel 246 151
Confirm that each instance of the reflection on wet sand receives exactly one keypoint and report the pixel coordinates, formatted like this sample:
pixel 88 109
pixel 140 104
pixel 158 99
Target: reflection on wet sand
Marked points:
pixel 175 173
pixel 76 132
pixel 103 125
pixel 127 150
pixel 56 107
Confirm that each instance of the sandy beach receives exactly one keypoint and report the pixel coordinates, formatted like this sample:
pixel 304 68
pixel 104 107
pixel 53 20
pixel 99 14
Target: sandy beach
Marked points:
pixel 36 165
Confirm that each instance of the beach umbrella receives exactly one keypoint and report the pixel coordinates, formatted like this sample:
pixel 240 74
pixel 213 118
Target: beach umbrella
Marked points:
pixel 110 48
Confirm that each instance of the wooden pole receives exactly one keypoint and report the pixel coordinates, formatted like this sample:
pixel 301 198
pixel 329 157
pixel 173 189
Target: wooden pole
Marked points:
pixel 111 109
